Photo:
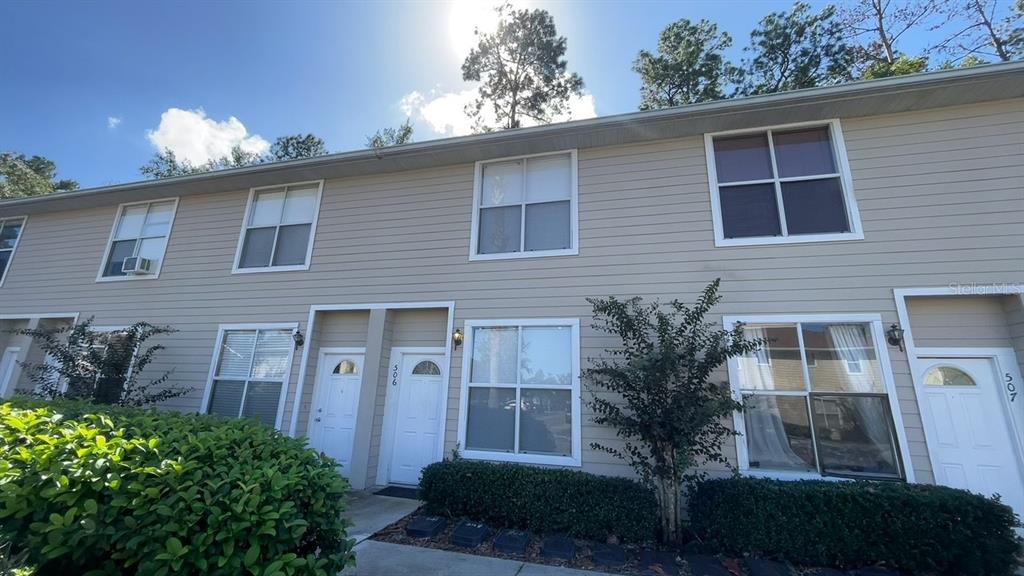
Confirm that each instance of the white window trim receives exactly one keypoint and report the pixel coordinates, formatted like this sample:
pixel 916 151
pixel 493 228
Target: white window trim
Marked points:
pixel 881 348
pixel 235 269
pixel 113 231
pixel 846 180
pixel 575 459
pixel 574 212
pixel 221 329
pixel 14 250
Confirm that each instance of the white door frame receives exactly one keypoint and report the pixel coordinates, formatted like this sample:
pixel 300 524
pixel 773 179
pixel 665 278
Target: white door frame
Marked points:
pixel 318 390
pixel 3 354
pixel 311 329
pixel 387 439
pixel 1004 358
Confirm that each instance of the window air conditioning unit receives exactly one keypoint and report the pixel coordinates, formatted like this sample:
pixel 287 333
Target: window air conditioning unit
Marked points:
pixel 137 265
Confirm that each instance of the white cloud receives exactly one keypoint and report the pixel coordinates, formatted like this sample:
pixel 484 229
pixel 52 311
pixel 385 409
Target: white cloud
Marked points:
pixel 113 122
pixel 445 112
pixel 194 137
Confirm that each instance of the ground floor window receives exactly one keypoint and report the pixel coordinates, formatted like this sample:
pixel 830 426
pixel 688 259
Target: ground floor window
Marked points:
pixel 521 399
pixel 819 405
pixel 249 372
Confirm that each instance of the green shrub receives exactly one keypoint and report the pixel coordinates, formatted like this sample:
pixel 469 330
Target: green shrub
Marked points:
pixel 88 489
pixel 543 500
pixel 917 528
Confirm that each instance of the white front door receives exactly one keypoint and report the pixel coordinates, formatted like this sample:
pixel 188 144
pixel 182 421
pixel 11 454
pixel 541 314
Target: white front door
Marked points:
pixel 332 418
pixel 418 394
pixel 8 362
pixel 972 440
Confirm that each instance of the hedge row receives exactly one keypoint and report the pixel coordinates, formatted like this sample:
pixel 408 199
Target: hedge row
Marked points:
pixel 916 528
pixel 96 490
pixel 543 500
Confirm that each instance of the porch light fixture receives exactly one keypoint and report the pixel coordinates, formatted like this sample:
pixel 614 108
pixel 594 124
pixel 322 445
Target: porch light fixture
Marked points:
pixel 894 336
pixel 457 338
pixel 298 338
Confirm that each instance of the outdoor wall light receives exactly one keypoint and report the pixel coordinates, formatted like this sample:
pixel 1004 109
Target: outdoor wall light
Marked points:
pixel 457 338
pixel 894 336
pixel 298 338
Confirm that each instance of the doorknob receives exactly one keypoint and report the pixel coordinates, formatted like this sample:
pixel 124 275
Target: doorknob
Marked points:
pixel 317 419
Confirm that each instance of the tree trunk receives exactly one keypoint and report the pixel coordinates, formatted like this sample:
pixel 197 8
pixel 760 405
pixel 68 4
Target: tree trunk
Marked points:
pixel 669 497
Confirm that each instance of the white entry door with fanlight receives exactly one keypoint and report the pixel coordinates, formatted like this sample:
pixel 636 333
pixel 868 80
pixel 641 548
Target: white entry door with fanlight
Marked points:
pixel 414 414
pixel 972 438
pixel 332 419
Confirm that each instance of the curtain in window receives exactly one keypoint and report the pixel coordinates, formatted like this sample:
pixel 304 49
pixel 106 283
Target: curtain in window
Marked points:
pixel 759 375
pixel 768 443
pixel 852 344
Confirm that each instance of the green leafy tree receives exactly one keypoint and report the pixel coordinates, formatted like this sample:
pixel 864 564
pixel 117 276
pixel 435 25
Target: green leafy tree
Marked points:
pixel 297 146
pixel 522 68
pixel 167 165
pixel 982 29
pixel 875 27
pixel 390 136
pixel 902 66
pixel 688 67
pixel 965 62
pixel 796 49
pixel 103 367
pixel 22 176
pixel 657 392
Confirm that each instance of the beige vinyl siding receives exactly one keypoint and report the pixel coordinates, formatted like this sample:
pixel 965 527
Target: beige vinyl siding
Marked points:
pixel 938 193
pixel 1014 308
pixel 959 321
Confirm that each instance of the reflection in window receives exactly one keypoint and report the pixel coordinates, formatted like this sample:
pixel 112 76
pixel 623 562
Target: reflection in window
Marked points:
pixel 836 423
pixel 426 368
pixel 345 367
pixel 250 373
pixel 525 205
pixel 141 231
pixel 521 390
pixel 947 376
pixel 797 168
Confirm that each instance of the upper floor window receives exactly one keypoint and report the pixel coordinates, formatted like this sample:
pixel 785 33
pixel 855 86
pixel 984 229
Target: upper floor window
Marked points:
pixel 781 185
pixel 525 207
pixel 279 225
pixel 139 240
pixel 10 233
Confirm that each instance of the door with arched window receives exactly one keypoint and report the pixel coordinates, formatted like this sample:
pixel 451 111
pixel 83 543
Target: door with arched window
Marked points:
pixel 332 419
pixel 416 385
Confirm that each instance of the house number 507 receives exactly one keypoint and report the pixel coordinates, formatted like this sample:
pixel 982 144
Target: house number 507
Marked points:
pixel 1011 387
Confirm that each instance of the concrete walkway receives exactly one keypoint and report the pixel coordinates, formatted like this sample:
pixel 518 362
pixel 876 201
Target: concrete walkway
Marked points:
pixel 385 559
pixel 370 513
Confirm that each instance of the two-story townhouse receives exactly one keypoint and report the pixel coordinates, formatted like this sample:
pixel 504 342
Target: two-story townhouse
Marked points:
pixel 395 304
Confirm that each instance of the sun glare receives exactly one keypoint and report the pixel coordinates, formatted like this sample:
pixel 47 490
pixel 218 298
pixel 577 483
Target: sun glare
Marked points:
pixel 467 16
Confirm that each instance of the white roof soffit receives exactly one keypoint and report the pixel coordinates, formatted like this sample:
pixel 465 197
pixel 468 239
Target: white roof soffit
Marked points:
pixel 890 95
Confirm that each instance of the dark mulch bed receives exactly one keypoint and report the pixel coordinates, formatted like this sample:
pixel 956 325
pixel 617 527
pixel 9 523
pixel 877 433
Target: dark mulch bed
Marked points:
pixel 672 562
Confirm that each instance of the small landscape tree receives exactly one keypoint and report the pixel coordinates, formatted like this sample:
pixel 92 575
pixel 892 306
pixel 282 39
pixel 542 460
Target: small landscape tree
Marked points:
pixel 656 391
pixel 103 367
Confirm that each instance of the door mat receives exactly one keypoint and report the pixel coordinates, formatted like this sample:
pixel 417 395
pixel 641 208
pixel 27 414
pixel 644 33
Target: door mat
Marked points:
pixel 399 492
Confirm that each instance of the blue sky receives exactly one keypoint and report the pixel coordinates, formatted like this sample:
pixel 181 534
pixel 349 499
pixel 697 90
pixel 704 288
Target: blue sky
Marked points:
pixel 88 84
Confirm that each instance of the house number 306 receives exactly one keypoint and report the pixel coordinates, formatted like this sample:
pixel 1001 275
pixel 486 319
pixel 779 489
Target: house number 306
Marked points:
pixel 1011 387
